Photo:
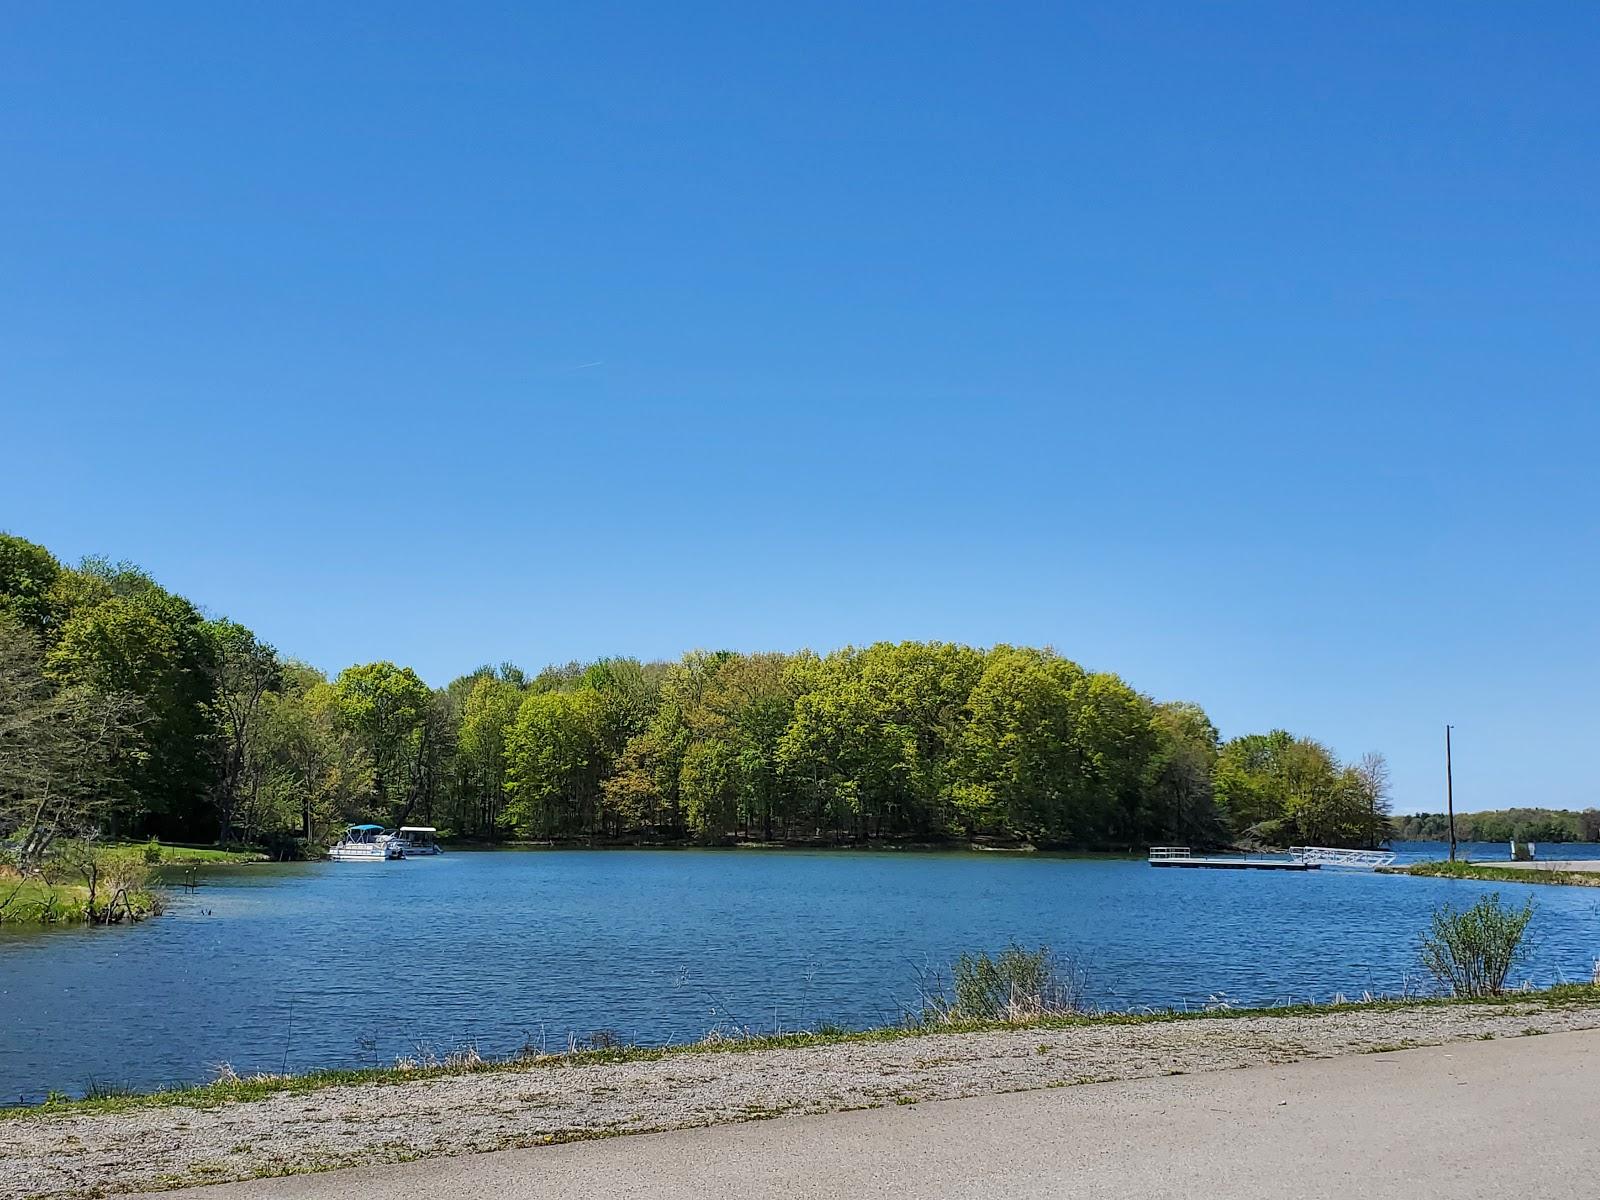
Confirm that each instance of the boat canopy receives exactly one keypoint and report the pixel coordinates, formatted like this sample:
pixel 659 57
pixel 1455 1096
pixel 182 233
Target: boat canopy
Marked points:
pixel 365 827
pixel 418 829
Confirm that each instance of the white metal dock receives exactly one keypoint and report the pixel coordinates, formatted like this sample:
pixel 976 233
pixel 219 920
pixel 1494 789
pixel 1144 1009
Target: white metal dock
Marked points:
pixel 1359 860
pixel 1299 858
pixel 1182 856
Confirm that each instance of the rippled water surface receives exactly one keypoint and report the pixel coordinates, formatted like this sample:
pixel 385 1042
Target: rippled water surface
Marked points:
pixel 297 966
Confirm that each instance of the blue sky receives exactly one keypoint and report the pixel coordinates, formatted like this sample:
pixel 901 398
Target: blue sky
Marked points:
pixel 1248 350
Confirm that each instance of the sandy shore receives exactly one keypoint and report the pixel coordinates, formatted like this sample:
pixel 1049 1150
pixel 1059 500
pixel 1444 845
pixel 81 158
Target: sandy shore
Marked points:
pixel 154 1148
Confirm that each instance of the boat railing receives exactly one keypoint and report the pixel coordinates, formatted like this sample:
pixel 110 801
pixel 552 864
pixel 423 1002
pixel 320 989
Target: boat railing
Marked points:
pixel 1169 852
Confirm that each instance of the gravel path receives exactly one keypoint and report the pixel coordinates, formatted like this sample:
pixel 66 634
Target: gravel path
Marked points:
pixel 341 1126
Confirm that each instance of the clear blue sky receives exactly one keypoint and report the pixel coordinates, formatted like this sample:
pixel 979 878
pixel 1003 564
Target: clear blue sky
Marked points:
pixel 1249 350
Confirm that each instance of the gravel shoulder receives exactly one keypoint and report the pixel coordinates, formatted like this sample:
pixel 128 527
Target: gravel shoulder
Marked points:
pixel 1582 866
pixel 98 1154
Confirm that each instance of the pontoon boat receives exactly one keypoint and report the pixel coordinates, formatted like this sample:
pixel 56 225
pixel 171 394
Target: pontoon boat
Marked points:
pixel 366 843
pixel 416 839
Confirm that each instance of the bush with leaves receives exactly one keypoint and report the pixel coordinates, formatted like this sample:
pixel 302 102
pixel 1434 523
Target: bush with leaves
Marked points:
pixel 1472 951
pixel 1016 985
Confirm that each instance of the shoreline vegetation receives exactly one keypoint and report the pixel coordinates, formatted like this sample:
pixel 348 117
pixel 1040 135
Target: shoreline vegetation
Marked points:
pixel 61 895
pixel 1010 1020
pixel 242 1128
pixel 159 853
pixel 80 884
pixel 25 901
pixel 1470 952
pixel 135 715
pixel 1538 825
pixel 88 883
pixel 130 714
pixel 231 1088
pixel 1490 873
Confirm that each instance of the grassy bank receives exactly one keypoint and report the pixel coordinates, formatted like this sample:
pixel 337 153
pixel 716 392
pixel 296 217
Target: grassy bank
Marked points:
pixel 1493 874
pixel 35 901
pixel 58 892
pixel 169 854
pixel 234 1089
pixel 79 882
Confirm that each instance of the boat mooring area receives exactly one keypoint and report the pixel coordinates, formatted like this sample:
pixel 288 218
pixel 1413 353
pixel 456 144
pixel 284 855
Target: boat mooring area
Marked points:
pixel 1299 858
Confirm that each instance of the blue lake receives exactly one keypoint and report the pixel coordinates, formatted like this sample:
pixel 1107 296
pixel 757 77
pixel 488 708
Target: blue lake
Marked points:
pixel 297 966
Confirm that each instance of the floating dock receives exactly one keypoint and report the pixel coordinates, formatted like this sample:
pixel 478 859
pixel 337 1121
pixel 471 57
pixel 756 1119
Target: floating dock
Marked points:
pixel 1179 856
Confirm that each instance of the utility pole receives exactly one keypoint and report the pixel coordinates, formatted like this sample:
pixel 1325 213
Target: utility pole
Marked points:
pixel 1449 793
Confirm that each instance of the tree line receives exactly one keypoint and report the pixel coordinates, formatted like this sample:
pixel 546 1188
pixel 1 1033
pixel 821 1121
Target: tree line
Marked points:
pixel 1502 825
pixel 125 710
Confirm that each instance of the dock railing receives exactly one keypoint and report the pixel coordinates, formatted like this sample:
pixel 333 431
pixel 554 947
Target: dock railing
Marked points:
pixel 1327 856
pixel 1169 852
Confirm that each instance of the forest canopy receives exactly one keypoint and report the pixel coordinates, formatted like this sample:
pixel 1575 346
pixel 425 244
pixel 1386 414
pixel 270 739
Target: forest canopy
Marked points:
pixel 1502 825
pixel 125 710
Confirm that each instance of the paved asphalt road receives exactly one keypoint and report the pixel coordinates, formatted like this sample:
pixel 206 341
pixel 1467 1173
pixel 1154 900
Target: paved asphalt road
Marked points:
pixel 1478 1119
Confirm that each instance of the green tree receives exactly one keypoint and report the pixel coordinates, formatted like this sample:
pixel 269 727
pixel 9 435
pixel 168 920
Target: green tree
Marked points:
pixel 58 748
pixel 553 759
pixel 28 577
pixel 742 705
pixel 645 785
pixel 1179 775
pixel 393 715
pixel 142 641
pixel 710 783
pixel 487 713
pixel 247 670
pixel 1278 788
pixel 1250 787
pixel 314 772
pixel 873 743
pixel 1115 741
pixel 1021 763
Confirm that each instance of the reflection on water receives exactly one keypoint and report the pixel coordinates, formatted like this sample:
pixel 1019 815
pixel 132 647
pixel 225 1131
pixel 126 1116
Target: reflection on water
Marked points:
pixel 298 966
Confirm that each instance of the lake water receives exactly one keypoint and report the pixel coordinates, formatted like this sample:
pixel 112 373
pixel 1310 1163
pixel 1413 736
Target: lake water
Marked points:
pixel 299 966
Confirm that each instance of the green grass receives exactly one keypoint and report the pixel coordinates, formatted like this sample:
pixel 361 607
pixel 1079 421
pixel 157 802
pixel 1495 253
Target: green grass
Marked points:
pixel 237 1090
pixel 34 902
pixel 1493 874
pixel 169 854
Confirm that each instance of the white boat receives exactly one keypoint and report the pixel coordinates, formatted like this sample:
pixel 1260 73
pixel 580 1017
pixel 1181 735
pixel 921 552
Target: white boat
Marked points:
pixel 415 839
pixel 366 843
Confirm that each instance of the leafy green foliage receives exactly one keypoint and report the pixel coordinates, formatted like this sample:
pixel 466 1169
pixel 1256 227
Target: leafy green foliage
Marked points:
pixel 128 636
pixel 486 716
pixel 79 882
pixel 1502 825
pixel 553 763
pixel 209 733
pixel 392 715
pixel 28 577
pixel 1495 874
pixel 1016 986
pixel 247 672
pixel 1472 951
pixel 1278 788
pixel 60 750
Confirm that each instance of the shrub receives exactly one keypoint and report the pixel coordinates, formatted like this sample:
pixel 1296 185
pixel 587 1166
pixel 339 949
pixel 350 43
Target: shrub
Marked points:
pixel 1472 951
pixel 120 885
pixel 1015 985
pixel 152 850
